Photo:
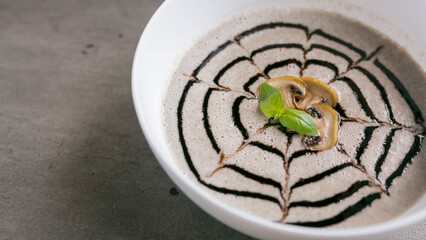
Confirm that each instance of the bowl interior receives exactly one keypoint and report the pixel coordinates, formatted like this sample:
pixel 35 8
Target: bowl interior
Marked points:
pixel 176 26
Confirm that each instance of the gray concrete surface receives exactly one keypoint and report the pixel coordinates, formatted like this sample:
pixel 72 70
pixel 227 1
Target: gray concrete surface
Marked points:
pixel 73 161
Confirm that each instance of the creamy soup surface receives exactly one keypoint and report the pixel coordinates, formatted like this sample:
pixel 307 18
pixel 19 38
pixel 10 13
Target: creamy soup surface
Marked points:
pixel 221 139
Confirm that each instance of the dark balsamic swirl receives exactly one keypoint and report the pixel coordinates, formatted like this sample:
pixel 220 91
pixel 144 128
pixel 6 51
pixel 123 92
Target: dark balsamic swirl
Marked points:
pixel 299 154
pixel 236 116
pixel 268 149
pixel 408 159
pixel 326 64
pixel 267 26
pixel 319 32
pixel 227 67
pixel 250 82
pixel 339 109
pixel 360 97
pixel 345 214
pixel 381 89
pixel 332 51
pixel 206 119
pixel 320 176
pixel 401 89
pixel 368 132
pixel 334 199
pixel 386 147
pixel 281 64
pixel 209 57
pixel 254 177
pixel 277 46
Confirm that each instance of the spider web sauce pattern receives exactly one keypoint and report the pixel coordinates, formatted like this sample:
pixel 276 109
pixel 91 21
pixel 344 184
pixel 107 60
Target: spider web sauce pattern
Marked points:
pixel 371 124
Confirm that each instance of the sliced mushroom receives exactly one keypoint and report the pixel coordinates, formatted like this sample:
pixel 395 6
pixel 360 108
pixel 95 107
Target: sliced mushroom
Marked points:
pixel 316 98
pixel 316 91
pixel 290 87
pixel 327 121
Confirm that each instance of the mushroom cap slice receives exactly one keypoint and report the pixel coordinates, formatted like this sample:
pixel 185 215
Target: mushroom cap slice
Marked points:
pixel 289 88
pixel 327 121
pixel 317 91
pixel 316 98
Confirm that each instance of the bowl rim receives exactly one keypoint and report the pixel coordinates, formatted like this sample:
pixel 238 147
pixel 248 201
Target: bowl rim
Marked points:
pixel 215 207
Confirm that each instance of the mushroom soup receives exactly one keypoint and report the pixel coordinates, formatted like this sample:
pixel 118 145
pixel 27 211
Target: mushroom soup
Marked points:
pixel 364 92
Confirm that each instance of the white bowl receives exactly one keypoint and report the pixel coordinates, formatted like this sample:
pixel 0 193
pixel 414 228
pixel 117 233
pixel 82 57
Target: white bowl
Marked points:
pixel 175 27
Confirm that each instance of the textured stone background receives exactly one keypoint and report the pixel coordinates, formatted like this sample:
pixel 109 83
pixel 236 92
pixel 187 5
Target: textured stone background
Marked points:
pixel 73 161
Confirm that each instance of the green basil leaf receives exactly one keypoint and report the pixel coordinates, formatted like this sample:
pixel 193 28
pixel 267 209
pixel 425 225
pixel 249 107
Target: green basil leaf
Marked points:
pixel 299 121
pixel 271 101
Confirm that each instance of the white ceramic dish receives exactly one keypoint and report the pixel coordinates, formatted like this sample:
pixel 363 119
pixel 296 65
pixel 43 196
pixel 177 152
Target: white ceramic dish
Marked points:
pixel 176 26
